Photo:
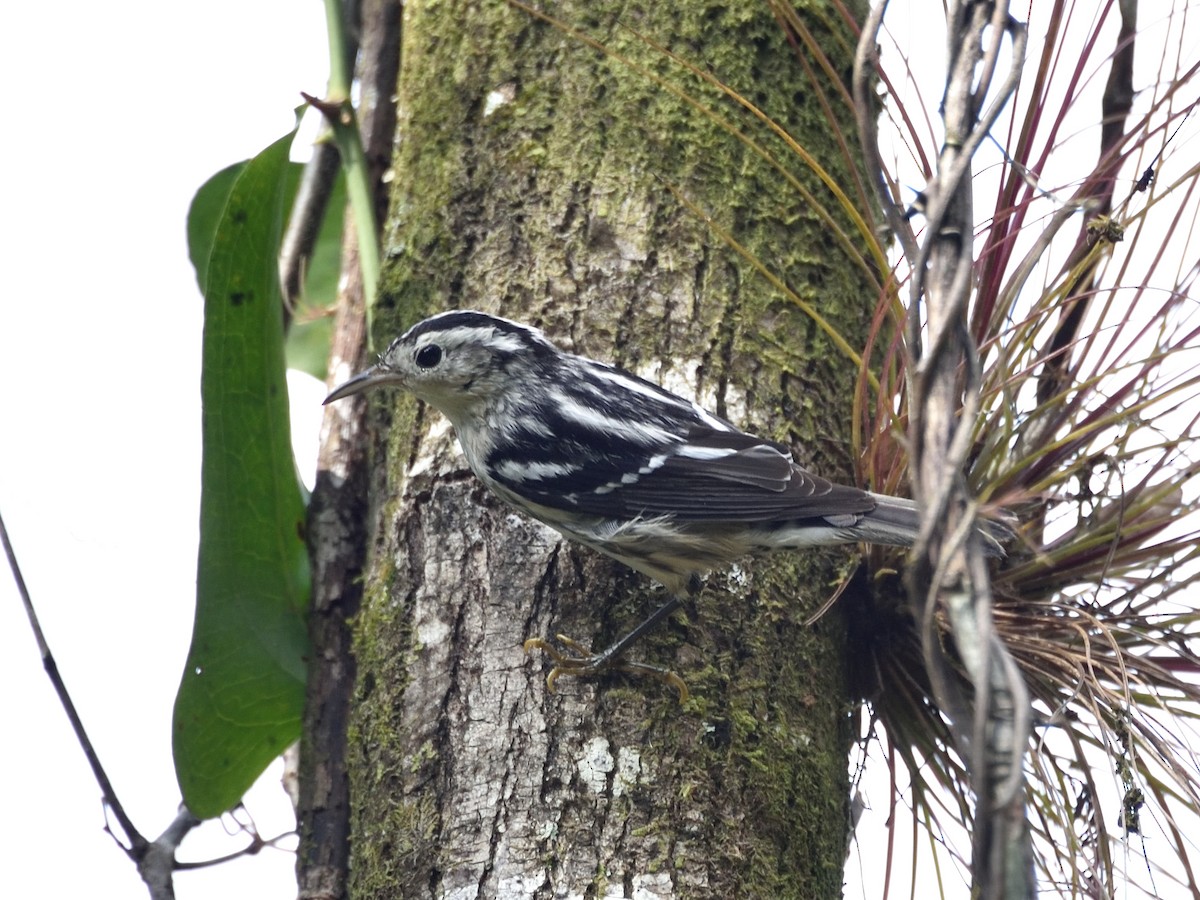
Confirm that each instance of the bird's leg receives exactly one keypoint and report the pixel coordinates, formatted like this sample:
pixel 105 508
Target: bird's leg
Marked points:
pixel 578 661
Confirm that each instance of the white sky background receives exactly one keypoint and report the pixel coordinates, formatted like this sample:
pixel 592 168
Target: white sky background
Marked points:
pixel 116 113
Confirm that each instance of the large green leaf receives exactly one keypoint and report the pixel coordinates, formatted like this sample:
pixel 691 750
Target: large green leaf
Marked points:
pixel 204 218
pixel 242 693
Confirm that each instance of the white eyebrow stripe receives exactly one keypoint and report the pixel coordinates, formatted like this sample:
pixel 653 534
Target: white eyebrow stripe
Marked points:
pixel 510 343
pixel 488 337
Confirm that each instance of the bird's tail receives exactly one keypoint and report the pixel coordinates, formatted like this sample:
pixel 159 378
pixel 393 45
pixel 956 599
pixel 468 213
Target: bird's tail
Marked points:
pixel 894 522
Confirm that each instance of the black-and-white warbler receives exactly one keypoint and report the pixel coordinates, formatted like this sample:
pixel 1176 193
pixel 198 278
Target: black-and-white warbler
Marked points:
pixel 619 464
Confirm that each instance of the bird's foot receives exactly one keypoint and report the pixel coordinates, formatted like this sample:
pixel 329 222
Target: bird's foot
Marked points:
pixel 577 661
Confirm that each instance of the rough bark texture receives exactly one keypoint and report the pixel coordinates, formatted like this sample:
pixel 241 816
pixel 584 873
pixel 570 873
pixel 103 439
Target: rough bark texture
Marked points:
pixel 337 536
pixel 529 181
pixel 337 527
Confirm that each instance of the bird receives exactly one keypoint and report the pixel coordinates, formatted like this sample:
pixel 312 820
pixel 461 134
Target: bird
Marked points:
pixel 619 464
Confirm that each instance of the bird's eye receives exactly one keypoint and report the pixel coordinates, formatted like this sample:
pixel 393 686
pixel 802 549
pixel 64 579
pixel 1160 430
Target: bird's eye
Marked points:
pixel 429 356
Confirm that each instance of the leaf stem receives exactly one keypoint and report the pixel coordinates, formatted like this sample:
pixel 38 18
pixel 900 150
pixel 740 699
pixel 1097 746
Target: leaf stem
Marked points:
pixel 338 110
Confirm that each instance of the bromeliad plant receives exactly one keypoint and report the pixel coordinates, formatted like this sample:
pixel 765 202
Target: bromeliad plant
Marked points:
pixel 1089 346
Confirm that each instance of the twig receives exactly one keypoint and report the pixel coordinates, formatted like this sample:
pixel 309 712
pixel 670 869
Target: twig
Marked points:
pixel 1116 106
pixel 155 859
pixel 343 121
pixel 320 172
pixel 304 224
pixel 866 65
pixel 257 845
pixel 157 864
pixel 338 111
pixel 948 572
pixel 137 843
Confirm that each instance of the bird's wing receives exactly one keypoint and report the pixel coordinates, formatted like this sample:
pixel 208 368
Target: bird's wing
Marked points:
pixel 711 475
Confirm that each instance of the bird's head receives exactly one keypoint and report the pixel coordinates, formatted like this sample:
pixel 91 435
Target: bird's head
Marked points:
pixel 459 362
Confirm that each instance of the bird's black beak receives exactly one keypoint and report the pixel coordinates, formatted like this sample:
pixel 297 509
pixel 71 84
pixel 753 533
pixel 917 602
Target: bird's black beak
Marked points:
pixel 372 377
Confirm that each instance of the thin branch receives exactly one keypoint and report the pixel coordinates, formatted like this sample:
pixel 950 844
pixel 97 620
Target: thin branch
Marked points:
pixel 343 27
pixel 346 134
pixel 137 843
pixel 304 224
pixel 257 845
pixel 157 865
pixel 866 67
pixel 948 572
pixel 1116 106
pixel 155 859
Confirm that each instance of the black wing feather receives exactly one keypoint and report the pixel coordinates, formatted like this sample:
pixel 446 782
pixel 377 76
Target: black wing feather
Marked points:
pixel 758 482
pixel 624 473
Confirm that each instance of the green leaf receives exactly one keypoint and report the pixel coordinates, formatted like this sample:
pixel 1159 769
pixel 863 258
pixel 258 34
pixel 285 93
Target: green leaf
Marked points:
pixel 241 697
pixel 205 216
pixel 308 345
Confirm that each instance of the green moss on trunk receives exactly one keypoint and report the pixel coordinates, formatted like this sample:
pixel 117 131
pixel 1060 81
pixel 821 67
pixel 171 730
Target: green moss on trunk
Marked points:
pixel 531 180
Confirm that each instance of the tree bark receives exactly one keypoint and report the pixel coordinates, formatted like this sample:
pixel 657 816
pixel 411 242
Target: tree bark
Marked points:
pixel 533 178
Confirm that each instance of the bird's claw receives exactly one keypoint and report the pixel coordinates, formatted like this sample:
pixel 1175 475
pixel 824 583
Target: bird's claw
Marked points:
pixel 576 660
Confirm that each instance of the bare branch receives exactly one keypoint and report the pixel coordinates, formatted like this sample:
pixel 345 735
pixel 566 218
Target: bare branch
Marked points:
pixel 304 224
pixel 338 511
pixel 1115 109
pixel 866 65
pixel 157 865
pixel 137 844
pixel 948 573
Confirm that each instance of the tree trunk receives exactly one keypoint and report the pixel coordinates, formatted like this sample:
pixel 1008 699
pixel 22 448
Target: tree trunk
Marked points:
pixel 533 179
